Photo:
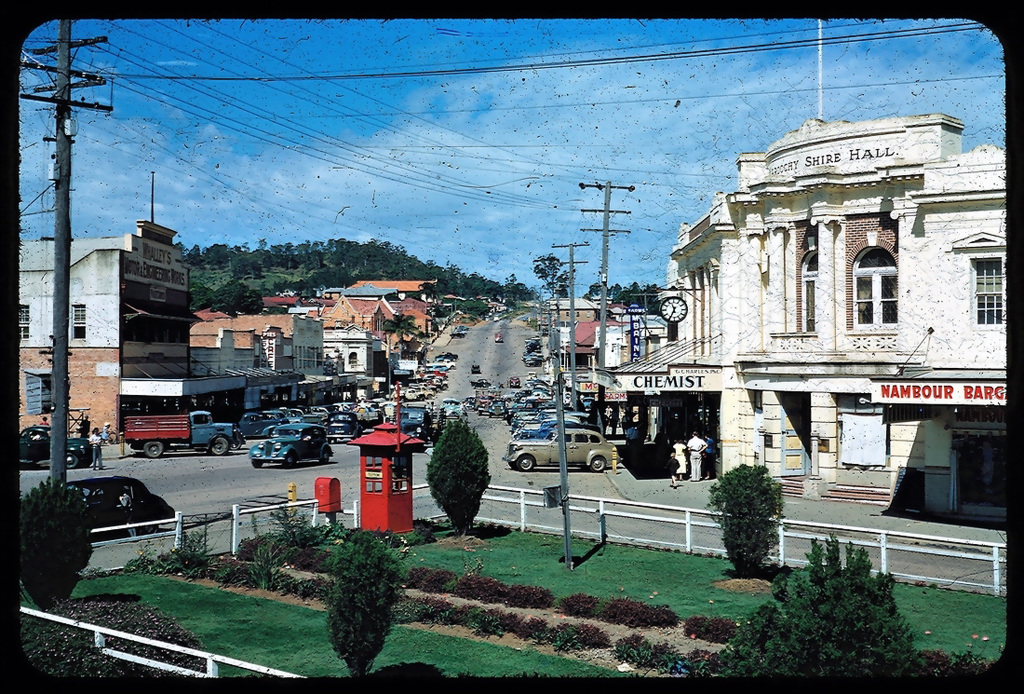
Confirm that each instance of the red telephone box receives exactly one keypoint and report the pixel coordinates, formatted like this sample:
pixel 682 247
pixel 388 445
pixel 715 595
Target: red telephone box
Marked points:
pixel 385 478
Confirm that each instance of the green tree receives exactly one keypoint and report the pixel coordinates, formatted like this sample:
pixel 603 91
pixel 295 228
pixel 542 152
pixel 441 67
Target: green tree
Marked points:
pixel 548 269
pixel 827 621
pixel 55 546
pixel 750 502
pixel 366 584
pixel 458 474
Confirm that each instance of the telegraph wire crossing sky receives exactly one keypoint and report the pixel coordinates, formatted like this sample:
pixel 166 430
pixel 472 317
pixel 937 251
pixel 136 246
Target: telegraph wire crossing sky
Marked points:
pixel 465 141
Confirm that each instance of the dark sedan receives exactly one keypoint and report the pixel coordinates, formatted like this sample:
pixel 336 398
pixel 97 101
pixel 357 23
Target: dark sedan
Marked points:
pixel 121 501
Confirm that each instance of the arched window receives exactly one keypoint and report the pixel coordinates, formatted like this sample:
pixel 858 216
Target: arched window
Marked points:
pixel 353 360
pixel 810 278
pixel 875 278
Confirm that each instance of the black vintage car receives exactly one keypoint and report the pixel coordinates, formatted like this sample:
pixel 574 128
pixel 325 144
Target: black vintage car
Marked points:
pixel 343 426
pixel 120 501
pixel 34 448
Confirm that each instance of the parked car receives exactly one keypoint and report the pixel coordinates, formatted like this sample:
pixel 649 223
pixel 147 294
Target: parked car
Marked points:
pixel 498 337
pixel 480 383
pixel 474 369
pixel 121 500
pixel 586 449
pixel 514 382
pixel 497 409
pixel 343 426
pixel 34 448
pixel 259 425
pixel 292 444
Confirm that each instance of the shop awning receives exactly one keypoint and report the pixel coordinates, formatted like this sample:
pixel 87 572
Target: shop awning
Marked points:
pixel 164 312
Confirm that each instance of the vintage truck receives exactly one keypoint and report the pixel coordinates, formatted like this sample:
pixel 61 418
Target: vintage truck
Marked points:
pixel 153 434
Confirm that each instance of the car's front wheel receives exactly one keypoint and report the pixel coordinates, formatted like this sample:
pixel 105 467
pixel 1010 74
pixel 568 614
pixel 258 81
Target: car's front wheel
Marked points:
pixel 525 463
pixel 256 463
pixel 72 461
pixel 220 446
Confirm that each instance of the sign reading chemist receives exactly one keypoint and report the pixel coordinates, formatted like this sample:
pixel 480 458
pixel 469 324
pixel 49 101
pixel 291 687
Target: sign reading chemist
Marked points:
pixel 680 378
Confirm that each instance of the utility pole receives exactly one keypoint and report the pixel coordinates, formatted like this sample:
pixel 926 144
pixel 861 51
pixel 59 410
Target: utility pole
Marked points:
pixel 572 317
pixel 65 130
pixel 605 231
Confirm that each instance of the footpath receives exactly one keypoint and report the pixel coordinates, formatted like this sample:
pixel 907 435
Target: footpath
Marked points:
pixel 847 513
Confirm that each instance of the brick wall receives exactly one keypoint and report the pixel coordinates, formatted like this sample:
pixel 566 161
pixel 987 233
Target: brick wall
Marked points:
pixel 99 393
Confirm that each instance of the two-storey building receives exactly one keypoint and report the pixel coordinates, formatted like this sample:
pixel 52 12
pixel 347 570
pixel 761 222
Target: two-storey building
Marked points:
pixel 847 306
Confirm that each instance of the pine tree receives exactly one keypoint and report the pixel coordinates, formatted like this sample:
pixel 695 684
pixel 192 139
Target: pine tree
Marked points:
pixel 55 546
pixel 827 621
pixel 458 474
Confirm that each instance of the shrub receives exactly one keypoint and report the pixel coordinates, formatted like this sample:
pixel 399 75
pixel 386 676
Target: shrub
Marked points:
pixel 751 504
pixel 293 530
pixel 54 521
pixel 703 663
pixel 312 559
pixel 579 605
pixel 635 650
pixel 430 610
pixel 529 597
pixel 532 628
pixel 942 664
pixel 632 613
pixel 63 651
pixel 458 474
pixel 366 584
pixel 827 620
pixel 431 580
pixel 713 629
pixel 482 588
pixel 191 560
pixel 485 622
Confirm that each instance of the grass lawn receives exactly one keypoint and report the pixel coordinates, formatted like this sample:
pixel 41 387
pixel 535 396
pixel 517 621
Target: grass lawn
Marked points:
pixel 295 639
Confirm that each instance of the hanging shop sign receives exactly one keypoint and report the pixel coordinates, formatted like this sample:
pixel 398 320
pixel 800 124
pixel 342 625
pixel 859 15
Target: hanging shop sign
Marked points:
pixel 939 393
pixel 679 378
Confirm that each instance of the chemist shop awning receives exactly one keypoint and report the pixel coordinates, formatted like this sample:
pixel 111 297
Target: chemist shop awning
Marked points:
pixel 666 371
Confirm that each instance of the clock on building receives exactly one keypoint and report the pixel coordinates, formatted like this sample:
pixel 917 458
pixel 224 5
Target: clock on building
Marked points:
pixel 673 309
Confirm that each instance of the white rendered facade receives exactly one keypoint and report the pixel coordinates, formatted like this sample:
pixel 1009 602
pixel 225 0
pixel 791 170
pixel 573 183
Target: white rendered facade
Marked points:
pixel 852 292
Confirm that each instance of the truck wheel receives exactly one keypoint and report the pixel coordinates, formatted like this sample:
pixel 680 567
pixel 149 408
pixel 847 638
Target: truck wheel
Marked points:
pixel 220 445
pixel 598 464
pixel 290 459
pixel 526 463
pixel 153 449
pixel 256 463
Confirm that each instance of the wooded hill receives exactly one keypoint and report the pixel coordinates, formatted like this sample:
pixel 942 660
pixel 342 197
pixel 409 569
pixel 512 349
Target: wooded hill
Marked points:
pixel 235 278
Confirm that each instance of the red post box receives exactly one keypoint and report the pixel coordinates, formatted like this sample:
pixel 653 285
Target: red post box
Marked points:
pixel 385 478
pixel 327 491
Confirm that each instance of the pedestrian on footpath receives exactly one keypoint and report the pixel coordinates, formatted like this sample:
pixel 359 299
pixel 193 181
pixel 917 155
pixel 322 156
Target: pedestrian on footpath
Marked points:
pixel 696 446
pixel 677 463
pixel 96 441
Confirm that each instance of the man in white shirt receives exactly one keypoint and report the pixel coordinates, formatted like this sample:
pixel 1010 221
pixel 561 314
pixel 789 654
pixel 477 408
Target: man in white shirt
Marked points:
pixel 696 446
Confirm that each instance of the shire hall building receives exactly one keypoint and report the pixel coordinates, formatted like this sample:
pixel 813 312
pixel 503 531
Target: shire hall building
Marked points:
pixel 847 311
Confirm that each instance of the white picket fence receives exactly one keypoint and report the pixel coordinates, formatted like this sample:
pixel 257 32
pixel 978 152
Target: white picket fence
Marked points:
pixel 100 635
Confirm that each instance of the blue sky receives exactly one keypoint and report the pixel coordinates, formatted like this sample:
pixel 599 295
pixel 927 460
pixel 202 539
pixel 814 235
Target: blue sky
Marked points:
pixel 465 141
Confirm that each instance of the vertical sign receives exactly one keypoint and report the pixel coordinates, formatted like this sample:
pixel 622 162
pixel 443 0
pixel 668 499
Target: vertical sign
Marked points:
pixel 634 311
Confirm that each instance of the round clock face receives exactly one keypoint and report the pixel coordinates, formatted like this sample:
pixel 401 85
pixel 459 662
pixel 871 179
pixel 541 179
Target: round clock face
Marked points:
pixel 673 309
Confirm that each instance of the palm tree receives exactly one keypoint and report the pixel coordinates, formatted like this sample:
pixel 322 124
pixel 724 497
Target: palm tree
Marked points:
pixel 401 326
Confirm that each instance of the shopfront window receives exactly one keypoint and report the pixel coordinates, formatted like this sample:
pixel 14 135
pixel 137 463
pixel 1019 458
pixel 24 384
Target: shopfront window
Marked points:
pixel 980 459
